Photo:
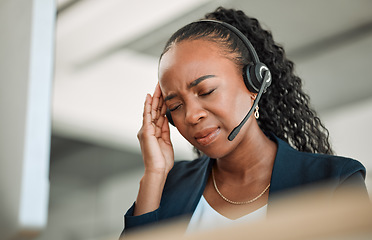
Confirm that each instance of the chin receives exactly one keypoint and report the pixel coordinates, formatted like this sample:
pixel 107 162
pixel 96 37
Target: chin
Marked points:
pixel 214 151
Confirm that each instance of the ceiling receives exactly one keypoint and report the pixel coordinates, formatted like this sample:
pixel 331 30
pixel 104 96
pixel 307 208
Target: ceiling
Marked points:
pixel 107 53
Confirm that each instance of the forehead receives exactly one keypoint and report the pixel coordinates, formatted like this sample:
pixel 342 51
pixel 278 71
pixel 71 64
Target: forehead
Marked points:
pixel 190 59
pixel 185 50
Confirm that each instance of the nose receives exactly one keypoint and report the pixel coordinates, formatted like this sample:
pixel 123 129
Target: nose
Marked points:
pixel 194 113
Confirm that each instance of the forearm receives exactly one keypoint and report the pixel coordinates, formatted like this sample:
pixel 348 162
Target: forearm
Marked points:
pixel 150 192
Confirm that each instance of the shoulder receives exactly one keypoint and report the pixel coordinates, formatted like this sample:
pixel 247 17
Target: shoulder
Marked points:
pixel 330 165
pixel 293 168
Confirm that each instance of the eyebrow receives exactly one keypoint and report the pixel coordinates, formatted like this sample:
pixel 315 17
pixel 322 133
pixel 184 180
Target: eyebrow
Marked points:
pixel 169 97
pixel 199 80
pixel 192 84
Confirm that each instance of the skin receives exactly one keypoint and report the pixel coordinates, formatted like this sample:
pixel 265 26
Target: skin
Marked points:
pixel 205 90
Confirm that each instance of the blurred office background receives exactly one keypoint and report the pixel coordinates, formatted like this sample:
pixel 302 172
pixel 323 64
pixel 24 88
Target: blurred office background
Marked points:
pixel 106 61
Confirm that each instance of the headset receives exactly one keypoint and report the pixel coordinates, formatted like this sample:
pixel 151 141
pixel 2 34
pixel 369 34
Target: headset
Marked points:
pixel 256 75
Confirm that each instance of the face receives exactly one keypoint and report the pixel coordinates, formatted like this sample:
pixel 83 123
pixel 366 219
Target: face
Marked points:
pixel 206 94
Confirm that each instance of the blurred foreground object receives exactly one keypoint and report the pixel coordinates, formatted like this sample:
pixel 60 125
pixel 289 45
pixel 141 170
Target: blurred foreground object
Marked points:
pixel 310 214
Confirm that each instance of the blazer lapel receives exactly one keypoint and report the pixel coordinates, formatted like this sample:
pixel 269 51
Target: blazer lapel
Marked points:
pixel 286 173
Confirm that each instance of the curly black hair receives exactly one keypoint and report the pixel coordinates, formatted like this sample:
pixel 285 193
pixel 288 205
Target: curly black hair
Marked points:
pixel 284 108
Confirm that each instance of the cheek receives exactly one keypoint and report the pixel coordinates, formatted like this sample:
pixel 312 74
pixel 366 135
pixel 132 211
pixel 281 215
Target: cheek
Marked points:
pixel 242 104
pixel 232 107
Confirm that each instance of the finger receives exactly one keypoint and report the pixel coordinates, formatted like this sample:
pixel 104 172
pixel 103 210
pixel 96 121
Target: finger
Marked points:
pixel 161 99
pixel 160 120
pixel 163 109
pixel 160 105
pixel 159 125
pixel 147 110
pixel 155 103
pixel 165 132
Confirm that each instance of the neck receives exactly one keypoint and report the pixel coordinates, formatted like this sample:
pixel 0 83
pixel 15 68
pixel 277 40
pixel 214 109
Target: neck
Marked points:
pixel 252 160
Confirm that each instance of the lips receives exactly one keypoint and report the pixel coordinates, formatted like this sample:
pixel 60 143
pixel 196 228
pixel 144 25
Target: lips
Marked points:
pixel 207 135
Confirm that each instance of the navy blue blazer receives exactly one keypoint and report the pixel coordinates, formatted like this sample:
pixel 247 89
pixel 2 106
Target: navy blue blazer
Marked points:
pixel 186 181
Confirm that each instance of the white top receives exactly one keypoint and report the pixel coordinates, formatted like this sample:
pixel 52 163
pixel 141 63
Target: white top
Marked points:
pixel 205 217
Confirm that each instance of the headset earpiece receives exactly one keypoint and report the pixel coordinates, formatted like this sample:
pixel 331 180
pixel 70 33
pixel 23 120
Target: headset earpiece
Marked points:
pixel 169 116
pixel 248 79
pixel 253 77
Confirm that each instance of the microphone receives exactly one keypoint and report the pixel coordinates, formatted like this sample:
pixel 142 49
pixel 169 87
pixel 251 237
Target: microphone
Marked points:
pixel 236 130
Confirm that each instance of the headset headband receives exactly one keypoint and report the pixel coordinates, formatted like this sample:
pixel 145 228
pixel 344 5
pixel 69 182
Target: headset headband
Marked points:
pixel 237 32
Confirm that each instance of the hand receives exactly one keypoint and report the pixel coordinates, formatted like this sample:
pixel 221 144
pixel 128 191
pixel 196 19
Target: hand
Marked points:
pixel 154 136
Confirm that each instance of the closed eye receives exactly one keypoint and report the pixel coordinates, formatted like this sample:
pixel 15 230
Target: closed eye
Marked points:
pixel 174 108
pixel 207 93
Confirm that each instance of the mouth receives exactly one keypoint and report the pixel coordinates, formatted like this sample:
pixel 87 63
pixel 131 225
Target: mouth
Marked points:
pixel 207 136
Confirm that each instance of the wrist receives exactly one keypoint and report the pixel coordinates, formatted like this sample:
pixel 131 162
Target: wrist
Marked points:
pixel 157 172
pixel 154 177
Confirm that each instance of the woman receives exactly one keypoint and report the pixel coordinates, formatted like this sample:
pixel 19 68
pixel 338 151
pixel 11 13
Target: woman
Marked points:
pixel 207 83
